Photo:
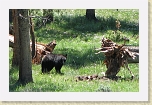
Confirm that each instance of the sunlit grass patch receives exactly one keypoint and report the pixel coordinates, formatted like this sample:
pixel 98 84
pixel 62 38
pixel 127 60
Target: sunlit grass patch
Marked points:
pixel 78 37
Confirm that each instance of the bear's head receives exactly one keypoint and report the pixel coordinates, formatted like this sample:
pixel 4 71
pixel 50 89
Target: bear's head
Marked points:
pixel 64 57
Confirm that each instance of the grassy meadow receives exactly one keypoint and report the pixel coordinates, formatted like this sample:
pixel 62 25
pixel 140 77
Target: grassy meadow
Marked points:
pixel 78 37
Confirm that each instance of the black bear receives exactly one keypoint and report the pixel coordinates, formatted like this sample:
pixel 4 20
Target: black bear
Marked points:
pixel 49 61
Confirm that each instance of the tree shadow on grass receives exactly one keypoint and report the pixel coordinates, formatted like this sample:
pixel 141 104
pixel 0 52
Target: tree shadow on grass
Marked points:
pixel 83 25
pixel 77 59
pixel 36 87
pixel 71 27
pixel 79 26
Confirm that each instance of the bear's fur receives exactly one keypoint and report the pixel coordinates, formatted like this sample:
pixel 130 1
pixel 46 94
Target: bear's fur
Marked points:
pixel 49 61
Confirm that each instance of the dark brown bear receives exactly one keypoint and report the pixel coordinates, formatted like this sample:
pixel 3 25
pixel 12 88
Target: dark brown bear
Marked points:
pixel 49 61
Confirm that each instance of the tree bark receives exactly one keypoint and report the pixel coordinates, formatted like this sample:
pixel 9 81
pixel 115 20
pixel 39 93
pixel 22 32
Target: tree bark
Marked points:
pixel 33 37
pixel 16 50
pixel 90 14
pixel 25 67
pixel 10 16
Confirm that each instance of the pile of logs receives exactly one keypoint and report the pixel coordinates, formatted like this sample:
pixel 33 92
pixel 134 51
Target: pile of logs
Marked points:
pixel 116 56
pixel 41 49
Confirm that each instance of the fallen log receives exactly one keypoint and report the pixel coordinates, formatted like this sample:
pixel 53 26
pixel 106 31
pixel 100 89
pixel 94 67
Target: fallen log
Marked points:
pixel 135 50
pixel 132 48
pixel 116 56
pixel 11 41
pixel 136 60
pixel 11 38
pixel 41 49
pixel 48 47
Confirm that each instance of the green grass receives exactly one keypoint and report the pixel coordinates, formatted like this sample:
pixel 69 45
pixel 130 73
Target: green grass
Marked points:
pixel 78 37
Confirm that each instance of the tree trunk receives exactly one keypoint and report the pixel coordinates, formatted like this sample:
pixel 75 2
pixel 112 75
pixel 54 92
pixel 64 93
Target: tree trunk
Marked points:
pixel 16 56
pixel 90 14
pixel 10 16
pixel 25 67
pixel 33 37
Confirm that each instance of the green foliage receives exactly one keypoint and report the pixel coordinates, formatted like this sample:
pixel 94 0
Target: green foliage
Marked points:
pixel 103 88
pixel 36 12
pixel 78 37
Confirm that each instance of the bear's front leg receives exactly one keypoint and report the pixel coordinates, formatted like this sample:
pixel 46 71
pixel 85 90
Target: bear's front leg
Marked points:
pixel 58 69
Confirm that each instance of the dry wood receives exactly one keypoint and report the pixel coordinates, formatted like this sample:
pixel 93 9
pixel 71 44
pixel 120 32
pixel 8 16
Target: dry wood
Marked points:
pixel 116 56
pixel 41 49
pixel 135 50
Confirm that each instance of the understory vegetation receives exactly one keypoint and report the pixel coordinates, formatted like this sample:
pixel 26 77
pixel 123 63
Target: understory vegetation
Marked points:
pixel 78 37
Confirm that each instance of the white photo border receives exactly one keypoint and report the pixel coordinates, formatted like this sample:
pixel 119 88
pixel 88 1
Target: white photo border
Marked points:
pixel 142 95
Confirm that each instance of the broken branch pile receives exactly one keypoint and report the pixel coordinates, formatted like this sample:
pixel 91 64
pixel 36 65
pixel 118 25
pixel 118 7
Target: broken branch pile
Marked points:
pixel 116 56
pixel 41 49
pixel 91 77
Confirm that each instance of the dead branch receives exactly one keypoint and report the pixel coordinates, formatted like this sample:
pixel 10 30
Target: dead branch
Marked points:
pixel 116 56
pixel 41 49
